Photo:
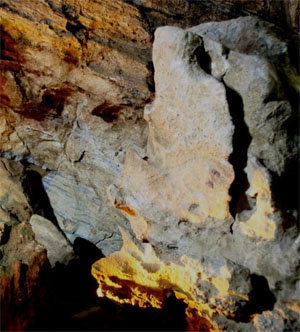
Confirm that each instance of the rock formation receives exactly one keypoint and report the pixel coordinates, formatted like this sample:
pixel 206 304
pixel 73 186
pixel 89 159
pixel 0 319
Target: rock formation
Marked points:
pixel 208 220
pixel 198 166
pixel 75 78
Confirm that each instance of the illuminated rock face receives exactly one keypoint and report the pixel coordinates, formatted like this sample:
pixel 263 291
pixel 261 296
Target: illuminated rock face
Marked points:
pixel 75 77
pixel 212 200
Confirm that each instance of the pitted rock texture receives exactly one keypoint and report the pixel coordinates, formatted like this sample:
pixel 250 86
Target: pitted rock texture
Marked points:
pixel 212 220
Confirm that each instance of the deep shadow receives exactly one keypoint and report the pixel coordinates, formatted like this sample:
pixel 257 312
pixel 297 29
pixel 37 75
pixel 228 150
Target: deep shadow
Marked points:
pixel 240 143
pixel 285 187
pixel 203 58
pixel 38 198
pixel 70 289
pixel 285 192
pixel 107 112
pixel 150 77
pixel 87 251
pixel 72 303
pixel 260 299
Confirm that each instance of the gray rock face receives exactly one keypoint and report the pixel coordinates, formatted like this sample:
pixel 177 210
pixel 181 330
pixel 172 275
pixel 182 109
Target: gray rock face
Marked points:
pixel 212 219
pixel 82 210
pixel 58 248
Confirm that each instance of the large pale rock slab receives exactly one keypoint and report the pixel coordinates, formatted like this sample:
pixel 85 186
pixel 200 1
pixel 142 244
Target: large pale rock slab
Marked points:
pixel 94 155
pixel 207 203
pixel 47 234
pixel 83 211
pixel 186 174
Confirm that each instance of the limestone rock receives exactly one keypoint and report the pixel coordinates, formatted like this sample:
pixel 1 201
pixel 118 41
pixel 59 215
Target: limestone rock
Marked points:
pixel 82 211
pixel 47 234
pixel 75 77
pixel 214 192
pixel 211 217
pixel 69 110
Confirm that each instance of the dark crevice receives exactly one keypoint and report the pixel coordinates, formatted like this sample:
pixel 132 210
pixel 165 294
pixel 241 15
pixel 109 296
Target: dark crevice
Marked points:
pixel 145 14
pixel 203 59
pixel 285 186
pixel 5 233
pixel 78 31
pixel 69 12
pixel 150 77
pixel 285 192
pixel 240 143
pixel 70 289
pixel 107 112
pixel 260 299
pixel 294 55
pixel 72 301
pixel 86 251
pixel 22 276
pixel 37 196
pixel 80 158
pixel 290 92
pixel 21 87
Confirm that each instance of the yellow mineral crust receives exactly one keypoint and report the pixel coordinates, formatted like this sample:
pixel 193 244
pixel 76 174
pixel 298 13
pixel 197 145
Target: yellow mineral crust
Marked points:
pixel 261 224
pixel 138 276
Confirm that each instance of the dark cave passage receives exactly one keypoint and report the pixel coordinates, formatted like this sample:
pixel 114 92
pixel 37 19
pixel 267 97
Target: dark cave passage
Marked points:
pixel 72 304
pixel 240 143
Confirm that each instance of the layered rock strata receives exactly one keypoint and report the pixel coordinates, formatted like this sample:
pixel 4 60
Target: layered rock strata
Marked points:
pixel 212 202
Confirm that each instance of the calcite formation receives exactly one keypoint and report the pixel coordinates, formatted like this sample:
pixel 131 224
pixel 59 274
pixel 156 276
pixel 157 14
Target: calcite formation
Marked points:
pixel 212 200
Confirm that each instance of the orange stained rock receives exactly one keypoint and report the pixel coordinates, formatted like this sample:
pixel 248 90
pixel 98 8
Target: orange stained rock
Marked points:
pixel 126 209
pixel 27 35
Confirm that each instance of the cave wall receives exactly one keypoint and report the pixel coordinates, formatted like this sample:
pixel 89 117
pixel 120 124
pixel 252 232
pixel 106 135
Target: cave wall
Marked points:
pixel 207 221
pixel 95 137
pixel 75 78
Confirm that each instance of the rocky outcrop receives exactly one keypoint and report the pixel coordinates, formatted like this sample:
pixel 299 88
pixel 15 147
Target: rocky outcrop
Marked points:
pixel 206 175
pixel 75 76
pixel 67 109
pixel 212 201
pixel 58 248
